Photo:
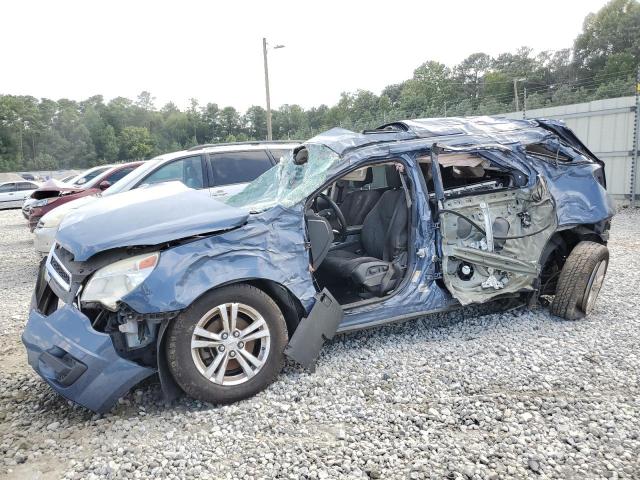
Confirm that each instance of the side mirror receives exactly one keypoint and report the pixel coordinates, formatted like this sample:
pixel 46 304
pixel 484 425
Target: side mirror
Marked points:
pixel 104 185
pixel 300 155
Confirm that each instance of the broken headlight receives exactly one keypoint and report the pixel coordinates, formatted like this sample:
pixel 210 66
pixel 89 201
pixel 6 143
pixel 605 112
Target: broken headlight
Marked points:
pixel 109 284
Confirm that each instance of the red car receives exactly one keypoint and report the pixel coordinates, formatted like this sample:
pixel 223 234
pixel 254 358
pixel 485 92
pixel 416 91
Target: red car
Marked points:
pixel 53 194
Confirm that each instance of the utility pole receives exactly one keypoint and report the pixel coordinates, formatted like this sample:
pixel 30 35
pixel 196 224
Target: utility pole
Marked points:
pixel 266 87
pixel 636 144
pixel 524 103
pixel 515 91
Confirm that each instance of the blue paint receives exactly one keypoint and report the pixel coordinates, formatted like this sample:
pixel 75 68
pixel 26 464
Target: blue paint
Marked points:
pixel 107 377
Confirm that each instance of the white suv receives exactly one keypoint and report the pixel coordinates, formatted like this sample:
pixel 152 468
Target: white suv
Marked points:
pixel 221 170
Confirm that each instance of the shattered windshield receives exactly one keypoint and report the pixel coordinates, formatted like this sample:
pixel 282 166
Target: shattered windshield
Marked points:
pixel 287 183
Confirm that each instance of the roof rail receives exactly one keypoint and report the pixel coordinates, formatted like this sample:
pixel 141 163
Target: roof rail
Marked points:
pixel 252 142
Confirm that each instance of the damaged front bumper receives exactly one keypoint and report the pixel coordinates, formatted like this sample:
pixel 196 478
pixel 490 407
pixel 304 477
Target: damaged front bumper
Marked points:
pixel 78 362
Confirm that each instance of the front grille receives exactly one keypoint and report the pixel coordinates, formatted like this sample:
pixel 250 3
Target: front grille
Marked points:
pixel 46 300
pixel 60 270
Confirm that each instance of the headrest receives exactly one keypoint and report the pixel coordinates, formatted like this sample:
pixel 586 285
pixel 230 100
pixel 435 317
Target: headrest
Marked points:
pixel 393 176
pixel 368 178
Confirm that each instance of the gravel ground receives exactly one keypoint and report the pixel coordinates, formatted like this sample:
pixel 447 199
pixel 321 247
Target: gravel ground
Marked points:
pixel 508 395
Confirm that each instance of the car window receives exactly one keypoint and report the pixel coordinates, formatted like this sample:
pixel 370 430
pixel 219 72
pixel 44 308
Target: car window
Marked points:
pixel 186 170
pixel 90 176
pixel 239 167
pixel 546 153
pixel 26 186
pixel 279 153
pixel 8 187
pixel 115 176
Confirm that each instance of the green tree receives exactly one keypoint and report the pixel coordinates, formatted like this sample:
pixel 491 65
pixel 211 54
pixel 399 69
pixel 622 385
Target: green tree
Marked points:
pixel 615 29
pixel 135 143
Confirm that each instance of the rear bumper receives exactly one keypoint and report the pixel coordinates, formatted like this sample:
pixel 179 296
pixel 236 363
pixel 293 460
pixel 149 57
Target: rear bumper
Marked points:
pixel 43 239
pixel 78 362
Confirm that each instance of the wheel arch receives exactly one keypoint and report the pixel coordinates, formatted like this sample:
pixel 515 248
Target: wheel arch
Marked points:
pixel 561 244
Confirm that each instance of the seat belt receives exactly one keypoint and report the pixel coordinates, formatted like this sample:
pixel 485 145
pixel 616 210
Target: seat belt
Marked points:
pixel 387 235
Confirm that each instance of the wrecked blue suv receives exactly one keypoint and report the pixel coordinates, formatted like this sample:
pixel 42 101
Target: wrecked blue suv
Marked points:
pixel 350 231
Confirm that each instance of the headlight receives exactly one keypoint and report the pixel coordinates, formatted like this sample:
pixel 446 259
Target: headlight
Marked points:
pixel 43 202
pixel 109 284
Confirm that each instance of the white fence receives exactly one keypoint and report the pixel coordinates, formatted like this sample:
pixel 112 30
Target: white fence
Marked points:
pixel 607 127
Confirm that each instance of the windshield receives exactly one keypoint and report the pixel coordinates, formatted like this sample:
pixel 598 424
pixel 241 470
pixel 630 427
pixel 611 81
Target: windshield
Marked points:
pixel 129 181
pixel 88 175
pixel 287 183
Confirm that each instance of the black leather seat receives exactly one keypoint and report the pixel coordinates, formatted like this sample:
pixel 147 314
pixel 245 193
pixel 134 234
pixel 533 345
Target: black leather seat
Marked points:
pixel 358 203
pixel 383 238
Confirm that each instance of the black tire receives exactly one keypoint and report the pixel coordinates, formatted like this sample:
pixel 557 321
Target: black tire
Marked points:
pixel 576 280
pixel 179 336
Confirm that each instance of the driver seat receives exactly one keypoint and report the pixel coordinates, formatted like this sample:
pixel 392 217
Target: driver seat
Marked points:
pixel 383 239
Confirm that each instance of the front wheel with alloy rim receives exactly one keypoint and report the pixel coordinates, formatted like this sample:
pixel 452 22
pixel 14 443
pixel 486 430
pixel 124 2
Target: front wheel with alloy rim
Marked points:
pixel 581 280
pixel 228 345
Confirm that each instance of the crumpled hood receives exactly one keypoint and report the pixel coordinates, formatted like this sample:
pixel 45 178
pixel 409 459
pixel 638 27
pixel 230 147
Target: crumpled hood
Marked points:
pixel 52 188
pixel 145 216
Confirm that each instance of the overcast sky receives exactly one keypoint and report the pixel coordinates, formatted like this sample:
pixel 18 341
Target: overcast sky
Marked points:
pixel 212 51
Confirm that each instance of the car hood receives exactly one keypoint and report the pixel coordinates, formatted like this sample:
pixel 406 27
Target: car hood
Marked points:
pixel 147 216
pixel 55 216
pixel 52 188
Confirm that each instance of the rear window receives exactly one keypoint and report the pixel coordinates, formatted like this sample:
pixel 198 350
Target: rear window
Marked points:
pixel 239 167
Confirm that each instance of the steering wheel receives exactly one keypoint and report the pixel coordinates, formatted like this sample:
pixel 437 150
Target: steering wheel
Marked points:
pixel 342 223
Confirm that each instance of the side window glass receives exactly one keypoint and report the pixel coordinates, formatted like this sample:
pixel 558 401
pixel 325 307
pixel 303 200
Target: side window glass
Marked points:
pixel 8 187
pixel 26 186
pixel 238 167
pixel 186 170
pixel 114 177
pixel 539 150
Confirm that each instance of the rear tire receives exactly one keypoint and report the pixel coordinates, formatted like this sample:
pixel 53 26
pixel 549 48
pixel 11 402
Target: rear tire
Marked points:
pixel 580 280
pixel 212 359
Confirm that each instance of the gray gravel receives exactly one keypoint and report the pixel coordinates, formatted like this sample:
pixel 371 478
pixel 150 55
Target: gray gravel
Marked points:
pixel 507 395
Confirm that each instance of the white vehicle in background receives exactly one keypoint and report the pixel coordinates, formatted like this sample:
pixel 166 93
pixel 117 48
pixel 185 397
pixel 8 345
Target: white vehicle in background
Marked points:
pixel 13 194
pixel 220 170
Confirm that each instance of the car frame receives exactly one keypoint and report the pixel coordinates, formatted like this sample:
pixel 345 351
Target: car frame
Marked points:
pixel 209 285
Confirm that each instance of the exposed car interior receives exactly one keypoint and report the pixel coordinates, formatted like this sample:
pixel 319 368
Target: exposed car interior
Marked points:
pixel 358 230
pixel 493 226
pixel 468 173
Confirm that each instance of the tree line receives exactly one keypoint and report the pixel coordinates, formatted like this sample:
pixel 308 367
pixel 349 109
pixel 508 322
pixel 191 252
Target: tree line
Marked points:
pixel 43 134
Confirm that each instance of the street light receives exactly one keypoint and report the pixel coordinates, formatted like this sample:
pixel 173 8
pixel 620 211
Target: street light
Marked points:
pixel 266 86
